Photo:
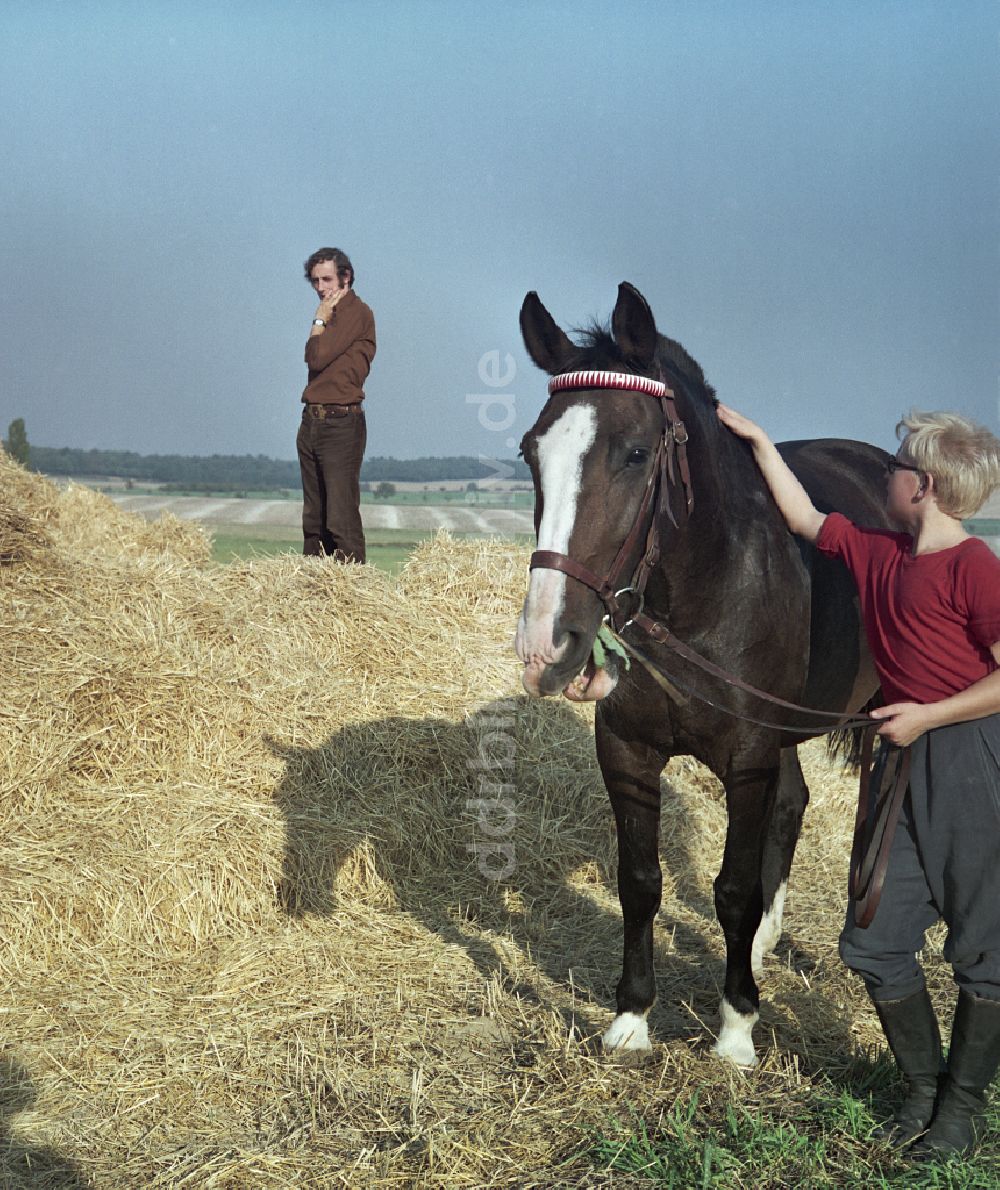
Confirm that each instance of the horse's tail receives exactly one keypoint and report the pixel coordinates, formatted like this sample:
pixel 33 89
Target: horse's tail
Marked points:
pixel 844 744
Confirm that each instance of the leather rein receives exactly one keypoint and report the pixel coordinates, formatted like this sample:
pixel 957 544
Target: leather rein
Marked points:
pixel 671 468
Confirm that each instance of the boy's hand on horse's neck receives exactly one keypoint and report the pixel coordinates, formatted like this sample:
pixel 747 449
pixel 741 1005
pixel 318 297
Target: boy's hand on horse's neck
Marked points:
pixel 931 529
pixel 800 514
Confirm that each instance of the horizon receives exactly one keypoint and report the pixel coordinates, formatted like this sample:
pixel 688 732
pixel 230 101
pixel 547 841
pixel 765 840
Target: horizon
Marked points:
pixel 369 458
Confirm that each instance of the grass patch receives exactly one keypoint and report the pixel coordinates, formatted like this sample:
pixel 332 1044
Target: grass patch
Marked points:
pixel 818 1139
pixel 232 547
pixel 387 549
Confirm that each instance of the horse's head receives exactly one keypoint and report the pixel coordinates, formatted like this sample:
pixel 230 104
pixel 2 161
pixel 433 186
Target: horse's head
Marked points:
pixel 594 455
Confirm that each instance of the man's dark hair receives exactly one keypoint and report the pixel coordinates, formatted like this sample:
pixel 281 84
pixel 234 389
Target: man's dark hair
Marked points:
pixel 345 270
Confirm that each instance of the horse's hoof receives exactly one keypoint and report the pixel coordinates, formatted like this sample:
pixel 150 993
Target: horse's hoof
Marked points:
pixel 740 1055
pixel 628 1031
pixel 736 1036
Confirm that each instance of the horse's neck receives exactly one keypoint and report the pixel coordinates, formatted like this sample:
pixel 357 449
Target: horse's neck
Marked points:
pixel 724 477
pixel 710 553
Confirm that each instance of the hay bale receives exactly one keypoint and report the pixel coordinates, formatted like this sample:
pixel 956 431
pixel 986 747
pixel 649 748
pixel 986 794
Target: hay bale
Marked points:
pixel 91 518
pixel 250 931
pixel 27 512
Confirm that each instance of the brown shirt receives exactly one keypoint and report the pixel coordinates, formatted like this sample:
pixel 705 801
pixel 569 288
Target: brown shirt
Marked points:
pixel 339 359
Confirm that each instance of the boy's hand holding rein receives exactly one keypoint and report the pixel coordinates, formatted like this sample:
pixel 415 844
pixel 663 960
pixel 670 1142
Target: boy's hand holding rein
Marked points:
pixel 903 722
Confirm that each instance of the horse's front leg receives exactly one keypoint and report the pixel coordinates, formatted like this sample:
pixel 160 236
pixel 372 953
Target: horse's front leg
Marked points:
pixel 739 903
pixel 632 775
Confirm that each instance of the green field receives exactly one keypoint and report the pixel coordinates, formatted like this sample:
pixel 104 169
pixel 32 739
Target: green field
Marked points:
pixel 387 548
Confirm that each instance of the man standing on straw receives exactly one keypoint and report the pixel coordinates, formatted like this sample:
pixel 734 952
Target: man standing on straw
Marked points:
pixel 331 439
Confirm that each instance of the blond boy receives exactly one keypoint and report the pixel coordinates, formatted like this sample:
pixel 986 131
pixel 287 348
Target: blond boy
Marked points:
pixel 930 600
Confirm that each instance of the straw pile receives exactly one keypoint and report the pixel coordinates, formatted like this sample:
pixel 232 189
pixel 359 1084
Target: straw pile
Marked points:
pixel 247 936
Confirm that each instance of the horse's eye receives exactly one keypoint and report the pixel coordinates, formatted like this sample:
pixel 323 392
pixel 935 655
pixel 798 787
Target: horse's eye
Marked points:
pixel 636 457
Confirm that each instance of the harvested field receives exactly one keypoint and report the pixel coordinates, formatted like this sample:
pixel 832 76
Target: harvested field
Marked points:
pixel 250 937
pixel 456 518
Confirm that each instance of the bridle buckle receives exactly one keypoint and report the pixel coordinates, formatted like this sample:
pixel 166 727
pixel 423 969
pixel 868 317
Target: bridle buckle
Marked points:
pixel 632 612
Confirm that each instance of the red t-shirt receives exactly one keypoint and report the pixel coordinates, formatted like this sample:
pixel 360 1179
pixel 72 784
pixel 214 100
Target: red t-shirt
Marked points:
pixel 930 620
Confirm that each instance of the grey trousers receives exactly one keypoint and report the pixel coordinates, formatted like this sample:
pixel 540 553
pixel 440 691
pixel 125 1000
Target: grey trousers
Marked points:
pixel 944 864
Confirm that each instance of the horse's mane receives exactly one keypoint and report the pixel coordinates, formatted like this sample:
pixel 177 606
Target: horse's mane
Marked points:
pixel 597 348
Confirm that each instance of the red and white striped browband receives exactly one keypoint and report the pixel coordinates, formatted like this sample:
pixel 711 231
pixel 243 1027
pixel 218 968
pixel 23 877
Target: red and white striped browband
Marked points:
pixel 619 380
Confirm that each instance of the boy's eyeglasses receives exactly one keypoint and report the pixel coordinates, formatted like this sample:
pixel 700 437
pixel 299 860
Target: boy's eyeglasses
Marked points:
pixel 893 465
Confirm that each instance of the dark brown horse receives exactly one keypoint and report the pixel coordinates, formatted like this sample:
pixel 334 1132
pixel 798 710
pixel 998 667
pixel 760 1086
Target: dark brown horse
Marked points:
pixel 730 581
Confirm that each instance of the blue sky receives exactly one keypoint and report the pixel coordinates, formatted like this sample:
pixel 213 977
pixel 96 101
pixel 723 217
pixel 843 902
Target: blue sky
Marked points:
pixel 806 193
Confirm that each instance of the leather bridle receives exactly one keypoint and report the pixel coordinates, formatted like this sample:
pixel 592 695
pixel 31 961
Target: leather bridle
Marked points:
pixel 670 467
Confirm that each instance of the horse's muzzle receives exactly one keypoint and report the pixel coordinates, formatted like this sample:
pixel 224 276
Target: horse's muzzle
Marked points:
pixel 579 680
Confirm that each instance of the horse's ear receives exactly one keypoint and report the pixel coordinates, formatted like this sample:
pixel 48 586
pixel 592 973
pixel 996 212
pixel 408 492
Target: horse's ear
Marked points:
pixel 633 326
pixel 547 344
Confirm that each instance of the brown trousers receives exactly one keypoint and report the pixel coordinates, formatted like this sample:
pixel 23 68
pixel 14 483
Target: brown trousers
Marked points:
pixel 330 452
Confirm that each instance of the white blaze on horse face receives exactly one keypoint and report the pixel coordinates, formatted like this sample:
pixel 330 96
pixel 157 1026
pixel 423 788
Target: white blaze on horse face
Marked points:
pixel 561 450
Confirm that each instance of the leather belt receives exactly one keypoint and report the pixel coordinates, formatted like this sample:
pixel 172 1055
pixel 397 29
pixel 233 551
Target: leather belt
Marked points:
pixel 320 412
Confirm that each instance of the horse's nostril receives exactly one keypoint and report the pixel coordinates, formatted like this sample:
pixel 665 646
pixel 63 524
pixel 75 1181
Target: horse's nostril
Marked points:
pixel 567 641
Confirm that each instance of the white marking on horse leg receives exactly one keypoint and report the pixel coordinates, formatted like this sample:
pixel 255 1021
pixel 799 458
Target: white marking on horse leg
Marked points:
pixel 560 471
pixel 628 1031
pixel 736 1035
pixel 769 931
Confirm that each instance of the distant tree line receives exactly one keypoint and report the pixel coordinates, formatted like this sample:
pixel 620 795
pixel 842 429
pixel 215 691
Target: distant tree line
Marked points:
pixel 255 472
pixel 215 471
pixel 16 442
pixel 427 470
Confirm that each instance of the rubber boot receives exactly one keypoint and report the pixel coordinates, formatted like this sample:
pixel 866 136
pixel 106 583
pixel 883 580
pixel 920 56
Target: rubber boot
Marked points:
pixel 972 1063
pixel 911 1028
